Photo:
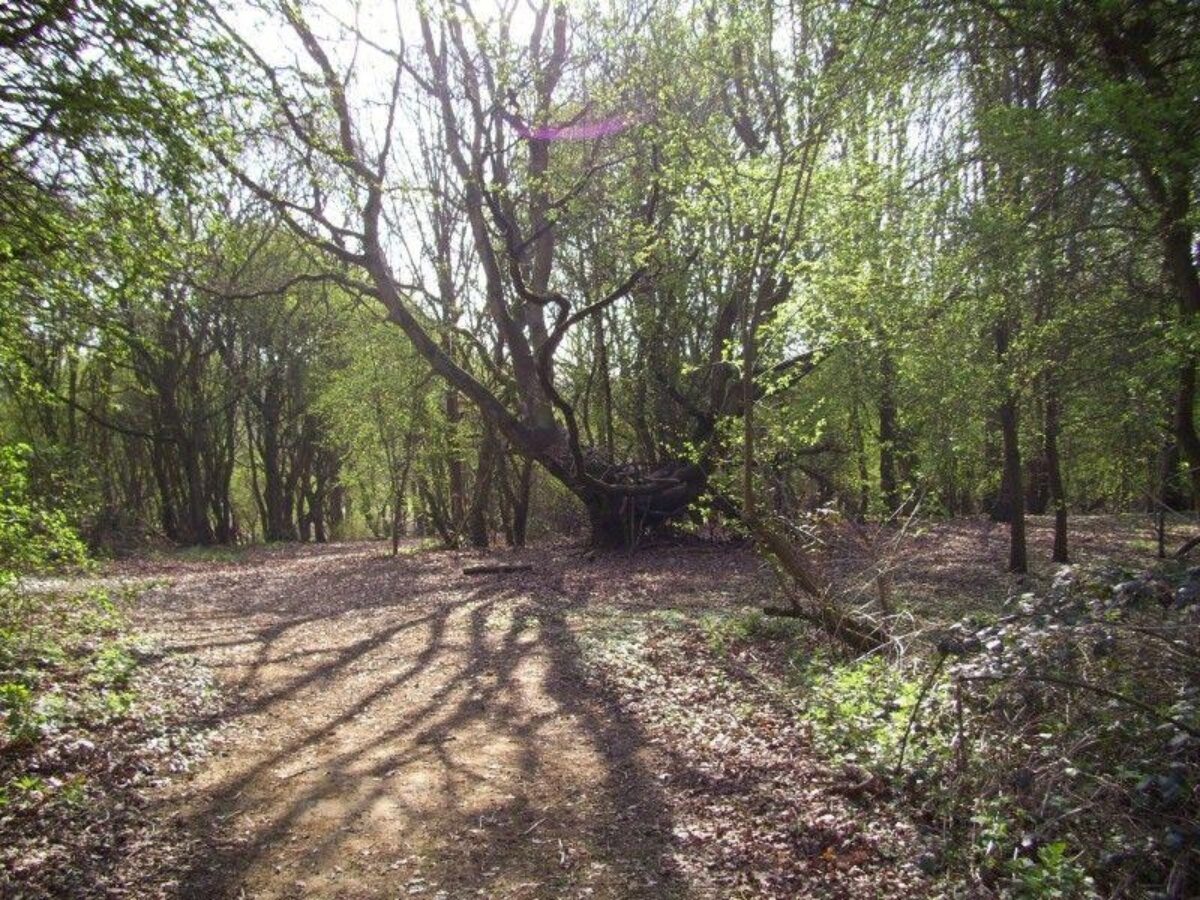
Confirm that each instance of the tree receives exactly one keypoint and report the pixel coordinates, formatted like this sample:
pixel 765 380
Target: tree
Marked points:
pixel 1134 70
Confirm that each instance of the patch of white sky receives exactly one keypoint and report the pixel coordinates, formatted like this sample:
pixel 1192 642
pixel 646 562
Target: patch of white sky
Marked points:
pixel 363 41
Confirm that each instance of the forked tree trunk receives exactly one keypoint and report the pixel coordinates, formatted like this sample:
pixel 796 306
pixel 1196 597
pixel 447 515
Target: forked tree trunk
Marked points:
pixel 532 428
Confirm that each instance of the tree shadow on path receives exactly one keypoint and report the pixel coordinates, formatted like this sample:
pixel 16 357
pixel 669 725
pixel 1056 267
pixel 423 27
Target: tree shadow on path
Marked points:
pixel 399 729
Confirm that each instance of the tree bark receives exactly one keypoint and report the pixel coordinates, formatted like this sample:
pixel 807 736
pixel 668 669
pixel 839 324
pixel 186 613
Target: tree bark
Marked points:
pixel 1010 435
pixel 1058 499
pixel 477 526
pixel 888 434
pixel 1015 496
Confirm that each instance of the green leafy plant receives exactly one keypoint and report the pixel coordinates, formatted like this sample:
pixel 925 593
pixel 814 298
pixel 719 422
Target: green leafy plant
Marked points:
pixel 993 829
pixel 112 666
pixel 27 784
pixel 118 703
pixel 16 700
pixel 861 710
pixel 74 792
pixel 32 536
pixel 1052 874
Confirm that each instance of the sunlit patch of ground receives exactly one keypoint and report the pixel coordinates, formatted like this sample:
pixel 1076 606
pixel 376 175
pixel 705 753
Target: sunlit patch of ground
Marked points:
pixel 396 727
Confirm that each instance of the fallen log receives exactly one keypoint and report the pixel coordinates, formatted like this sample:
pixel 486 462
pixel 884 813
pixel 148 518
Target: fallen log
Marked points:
pixel 497 569
pixel 856 632
pixel 1188 547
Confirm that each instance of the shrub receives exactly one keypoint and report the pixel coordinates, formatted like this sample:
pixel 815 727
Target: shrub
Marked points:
pixel 32 537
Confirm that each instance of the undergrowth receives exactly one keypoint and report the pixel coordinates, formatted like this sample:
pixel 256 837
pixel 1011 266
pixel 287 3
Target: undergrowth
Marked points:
pixel 1052 750
pixel 89 713
pixel 91 717
pixel 67 665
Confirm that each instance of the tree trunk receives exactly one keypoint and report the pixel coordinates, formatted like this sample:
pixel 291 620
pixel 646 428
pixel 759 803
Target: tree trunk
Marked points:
pixel 1017 559
pixel 477 527
pixel 863 501
pixel 606 398
pixel 1037 477
pixel 454 462
pixel 199 529
pixel 437 516
pixel 1012 493
pixel 517 497
pixel 1181 265
pixel 1185 425
pixel 888 436
pixel 1058 500
pixel 611 526
pixel 317 513
pixel 399 508
pixel 278 525
pixel 397 521
pixel 168 518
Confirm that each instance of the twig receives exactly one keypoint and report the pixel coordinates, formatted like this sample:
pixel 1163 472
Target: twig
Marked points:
pixel 530 829
pixel 960 754
pixel 497 569
pixel 1095 689
pixel 937 668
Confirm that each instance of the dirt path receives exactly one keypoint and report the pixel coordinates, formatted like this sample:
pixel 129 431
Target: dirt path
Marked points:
pixel 399 729
pixel 393 728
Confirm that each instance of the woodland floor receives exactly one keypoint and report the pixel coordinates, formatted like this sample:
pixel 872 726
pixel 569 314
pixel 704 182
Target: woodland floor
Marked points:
pixel 394 728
